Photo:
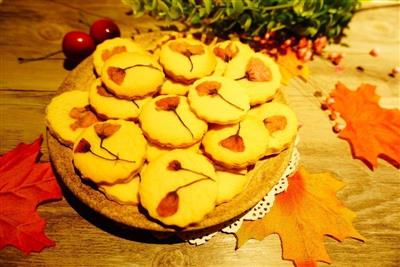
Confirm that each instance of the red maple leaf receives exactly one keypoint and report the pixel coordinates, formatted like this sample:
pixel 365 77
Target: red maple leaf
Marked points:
pixel 24 184
pixel 371 130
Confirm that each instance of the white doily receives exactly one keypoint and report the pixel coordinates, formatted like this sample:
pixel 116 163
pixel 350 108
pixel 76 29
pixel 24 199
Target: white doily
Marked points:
pixel 259 210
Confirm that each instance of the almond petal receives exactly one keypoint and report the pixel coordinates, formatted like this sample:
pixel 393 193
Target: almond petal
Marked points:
pixel 208 88
pixel 174 165
pixel 103 92
pixel 257 71
pixel 116 74
pixel 83 146
pixel 168 103
pixel 83 117
pixel 105 130
pixel 275 123
pixel 169 205
pixel 234 142
pixel 227 53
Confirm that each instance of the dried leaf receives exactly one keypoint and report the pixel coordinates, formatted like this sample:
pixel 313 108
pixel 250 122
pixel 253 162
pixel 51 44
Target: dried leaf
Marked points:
pixel 208 88
pixel 107 53
pixel 83 116
pixel 371 130
pixel 104 130
pixel 290 66
pixel 83 146
pixel 116 74
pixel 227 53
pixel 257 71
pixel 24 184
pixel 275 123
pixel 234 142
pixel 187 49
pixel 168 103
pixel 302 216
pixel 103 92
pixel 169 205
pixel 174 165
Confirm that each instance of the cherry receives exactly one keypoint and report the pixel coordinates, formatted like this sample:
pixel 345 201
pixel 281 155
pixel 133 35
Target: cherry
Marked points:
pixel 77 45
pixel 104 29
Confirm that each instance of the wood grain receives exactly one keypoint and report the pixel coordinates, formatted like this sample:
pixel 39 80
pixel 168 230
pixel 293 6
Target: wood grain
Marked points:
pixel 28 28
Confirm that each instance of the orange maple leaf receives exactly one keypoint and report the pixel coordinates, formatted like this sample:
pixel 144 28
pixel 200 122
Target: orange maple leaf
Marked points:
pixel 290 66
pixel 371 130
pixel 302 216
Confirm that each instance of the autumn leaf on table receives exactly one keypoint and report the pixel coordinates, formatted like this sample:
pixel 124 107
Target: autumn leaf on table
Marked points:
pixel 290 66
pixel 371 130
pixel 24 184
pixel 302 216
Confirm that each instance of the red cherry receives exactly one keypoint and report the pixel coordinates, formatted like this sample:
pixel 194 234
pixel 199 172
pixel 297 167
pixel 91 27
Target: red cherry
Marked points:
pixel 77 45
pixel 104 29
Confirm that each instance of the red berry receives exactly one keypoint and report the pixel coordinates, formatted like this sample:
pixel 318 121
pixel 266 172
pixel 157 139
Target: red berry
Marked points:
pixel 77 45
pixel 104 29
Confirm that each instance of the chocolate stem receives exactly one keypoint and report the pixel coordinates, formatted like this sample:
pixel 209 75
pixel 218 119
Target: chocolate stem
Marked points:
pixel 241 78
pixel 134 102
pixel 196 172
pixel 191 183
pixel 141 65
pixel 113 154
pixel 230 103
pixel 238 130
pixel 183 123
pixel 191 63
pixel 24 60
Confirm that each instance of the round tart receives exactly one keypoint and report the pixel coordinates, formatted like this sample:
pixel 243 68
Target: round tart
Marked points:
pixel 107 106
pixel 185 60
pixel 169 121
pixel 62 158
pixel 68 114
pixel 281 123
pixel 109 152
pixel 258 74
pixel 111 47
pixel 178 188
pixel 239 145
pixel 132 75
pixel 218 100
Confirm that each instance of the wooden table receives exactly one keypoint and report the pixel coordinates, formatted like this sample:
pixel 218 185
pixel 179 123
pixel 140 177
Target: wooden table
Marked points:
pixel 32 28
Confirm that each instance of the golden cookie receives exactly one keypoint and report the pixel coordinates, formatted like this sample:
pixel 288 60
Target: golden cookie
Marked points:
pixel 230 184
pixel 110 152
pixel 237 146
pixel 281 123
pixel 218 100
pixel 169 122
pixel 154 151
pixel 173 88
pixel 132 75
pixel 68 114
pixel 178 188
pixel 258 74
pixel 124 193
pixel 111 47
pixel 185 60
pixel 108 106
